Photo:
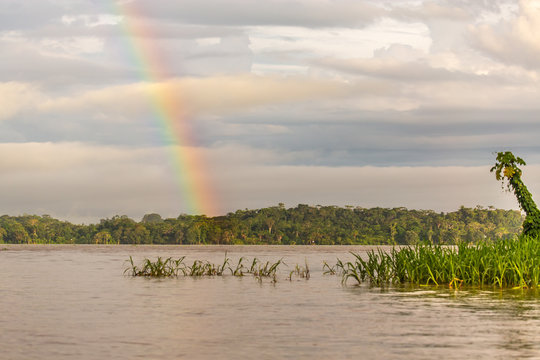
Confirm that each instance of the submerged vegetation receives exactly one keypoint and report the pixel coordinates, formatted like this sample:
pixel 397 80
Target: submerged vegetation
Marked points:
pixel 501 264
pixel 505 263
pixel 170 267
pixel 301 225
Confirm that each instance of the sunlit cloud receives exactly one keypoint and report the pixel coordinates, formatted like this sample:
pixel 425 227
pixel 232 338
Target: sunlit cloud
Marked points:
pixel 514 40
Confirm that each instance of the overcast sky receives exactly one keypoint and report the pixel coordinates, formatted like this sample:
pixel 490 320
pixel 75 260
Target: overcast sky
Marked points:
pixel 344 102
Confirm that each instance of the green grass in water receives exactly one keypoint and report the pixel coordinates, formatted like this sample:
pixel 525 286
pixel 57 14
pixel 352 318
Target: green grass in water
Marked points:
pixel 170 267
pixel 502 264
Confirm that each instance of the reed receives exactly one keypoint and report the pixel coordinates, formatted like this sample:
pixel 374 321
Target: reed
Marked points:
pixel 502 264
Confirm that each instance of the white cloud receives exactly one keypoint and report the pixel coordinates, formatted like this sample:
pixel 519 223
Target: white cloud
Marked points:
pixel 72 45
pixel 337 42
pixel 16 97
pixel 514 40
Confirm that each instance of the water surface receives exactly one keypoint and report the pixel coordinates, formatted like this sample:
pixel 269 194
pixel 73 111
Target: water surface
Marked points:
pixel 73 302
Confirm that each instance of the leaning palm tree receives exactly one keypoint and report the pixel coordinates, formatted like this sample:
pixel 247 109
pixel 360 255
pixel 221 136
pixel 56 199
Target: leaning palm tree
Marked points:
pixel 506 168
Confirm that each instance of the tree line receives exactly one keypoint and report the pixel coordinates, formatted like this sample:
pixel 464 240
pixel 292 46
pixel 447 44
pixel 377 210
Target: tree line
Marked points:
pixel 301 225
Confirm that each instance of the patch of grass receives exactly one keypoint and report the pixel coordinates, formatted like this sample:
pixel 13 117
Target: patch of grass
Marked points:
pixel 336 269
pixel 170 267
pixel 502 264
pixel 300 271
pixel 159 268
pixel 268 270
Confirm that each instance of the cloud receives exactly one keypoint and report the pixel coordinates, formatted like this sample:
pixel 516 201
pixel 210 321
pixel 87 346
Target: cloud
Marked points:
pixel 215 95
pixel 437 188
pixel 296 43
pixel 514 40
pixel 393 69
pixel 432 10
pixel 83 182
pixel 16 97
pixel 22 15
pixel 253 180
pixel 382 121
pixel 308 13
pixel 56 64
pixel 77 54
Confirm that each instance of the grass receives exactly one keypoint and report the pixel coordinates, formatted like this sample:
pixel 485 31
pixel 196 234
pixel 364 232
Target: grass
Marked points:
pixel 300 271
pixel 170 267
pixel 501 264
pixel 160 268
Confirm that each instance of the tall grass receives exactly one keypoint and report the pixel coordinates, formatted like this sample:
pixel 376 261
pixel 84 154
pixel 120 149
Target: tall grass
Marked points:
pixel 159 268
pixel 301 271
pixel 505 263
pixel 170 267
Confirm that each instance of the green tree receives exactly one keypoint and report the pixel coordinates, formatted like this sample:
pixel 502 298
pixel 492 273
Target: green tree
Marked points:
pixel 103 237
pixel 152 219
pixel 15 232
pixel 506 168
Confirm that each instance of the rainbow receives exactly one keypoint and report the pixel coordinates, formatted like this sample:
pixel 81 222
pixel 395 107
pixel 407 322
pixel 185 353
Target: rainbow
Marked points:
pixel 188 165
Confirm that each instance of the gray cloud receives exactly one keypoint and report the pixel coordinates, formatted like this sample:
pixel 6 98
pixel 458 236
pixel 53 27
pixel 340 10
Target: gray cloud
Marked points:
pixel 24 63
pixel 393 69
pixel 245 12
pixel 85 183
pixel 422 137
pixel 34 14
pixel 448 10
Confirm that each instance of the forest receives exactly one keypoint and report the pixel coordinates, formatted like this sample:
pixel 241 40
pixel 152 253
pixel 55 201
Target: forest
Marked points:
pixel 301 225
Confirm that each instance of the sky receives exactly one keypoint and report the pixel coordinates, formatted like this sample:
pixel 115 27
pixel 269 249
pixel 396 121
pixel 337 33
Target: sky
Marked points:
pixel 130 107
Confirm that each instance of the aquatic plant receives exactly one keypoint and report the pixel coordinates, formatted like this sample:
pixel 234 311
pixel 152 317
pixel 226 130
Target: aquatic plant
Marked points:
pixel 268 270
pixel 160 268
pixel 239 270
pixel 336 269
pixel 300 271
pixel 506 168
pixel 502 264
pixel 170 267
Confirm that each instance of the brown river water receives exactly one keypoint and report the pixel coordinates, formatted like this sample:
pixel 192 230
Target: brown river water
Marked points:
pixel 74 302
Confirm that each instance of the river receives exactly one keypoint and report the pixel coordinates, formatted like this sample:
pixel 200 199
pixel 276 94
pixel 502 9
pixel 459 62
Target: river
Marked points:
pixel 74 302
